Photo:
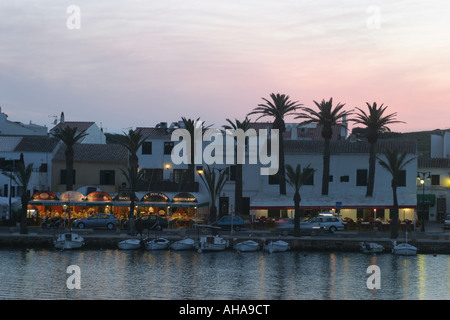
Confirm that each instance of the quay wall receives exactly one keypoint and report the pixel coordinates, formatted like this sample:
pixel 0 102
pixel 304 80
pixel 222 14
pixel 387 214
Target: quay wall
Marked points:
pixel 304 244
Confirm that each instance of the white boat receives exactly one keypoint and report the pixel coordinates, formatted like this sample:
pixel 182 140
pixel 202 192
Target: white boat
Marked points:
pixel 185 244
pixel 157 244
pixel 211 243
pixel 130 244
pixel 371 247
pixel 68 241
pixel 276 246
pixel 404 249
pixel 245 246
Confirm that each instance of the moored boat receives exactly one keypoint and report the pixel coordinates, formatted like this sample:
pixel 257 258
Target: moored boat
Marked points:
pixel 277 246
pixel 211 243
pixel 246 246
pixel 157 244
pixel 129 244
pixel 68 241
pixel 371 247
pixel 404 249
pixel 184 244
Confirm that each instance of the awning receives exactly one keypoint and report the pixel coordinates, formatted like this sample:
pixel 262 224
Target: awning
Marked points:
pixel 428 199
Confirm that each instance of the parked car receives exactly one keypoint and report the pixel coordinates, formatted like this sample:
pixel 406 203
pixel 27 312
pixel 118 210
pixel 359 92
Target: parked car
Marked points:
pixel 227 221
pixel 327 222
pixel 151 222
pixel 447 222
pixel 97 220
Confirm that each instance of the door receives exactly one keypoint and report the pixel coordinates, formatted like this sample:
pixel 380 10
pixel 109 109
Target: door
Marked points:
pixel 441 208
pixel 223 206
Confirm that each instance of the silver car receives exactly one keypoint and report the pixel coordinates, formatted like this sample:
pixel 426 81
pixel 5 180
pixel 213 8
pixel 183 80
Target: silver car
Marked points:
pixel 97 220
pixel 324 222
pixel 447 222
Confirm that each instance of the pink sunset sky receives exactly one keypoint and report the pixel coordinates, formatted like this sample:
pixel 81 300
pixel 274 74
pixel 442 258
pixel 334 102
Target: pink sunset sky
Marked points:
pixel 137 63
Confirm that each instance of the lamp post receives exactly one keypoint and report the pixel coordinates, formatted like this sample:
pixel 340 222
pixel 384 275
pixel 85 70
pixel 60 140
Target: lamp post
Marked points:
pixel 421 176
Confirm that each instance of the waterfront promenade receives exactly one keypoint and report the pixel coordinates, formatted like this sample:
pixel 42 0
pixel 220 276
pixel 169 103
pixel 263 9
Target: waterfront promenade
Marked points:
pixel 434 240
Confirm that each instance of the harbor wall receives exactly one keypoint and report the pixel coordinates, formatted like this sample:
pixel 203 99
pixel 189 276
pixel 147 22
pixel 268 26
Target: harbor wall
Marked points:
pixel 303 244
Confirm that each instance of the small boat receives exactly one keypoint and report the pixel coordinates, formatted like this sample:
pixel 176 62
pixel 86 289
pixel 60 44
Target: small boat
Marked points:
pixel 130 244
pixel 277 246
pixel 185 244
pixel 68 241
pixel 157 244
pixel 404 249
pixel 211 243
pixel 371 247
pixel 245 246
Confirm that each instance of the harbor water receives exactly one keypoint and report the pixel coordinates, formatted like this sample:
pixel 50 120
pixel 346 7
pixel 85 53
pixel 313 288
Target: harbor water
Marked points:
pixel 167 275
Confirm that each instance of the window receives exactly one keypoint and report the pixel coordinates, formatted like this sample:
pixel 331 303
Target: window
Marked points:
pixel 231 170
pixel 180 175
pixel 435 180
pixel 168 146
pixel 309 176
pixel 345 178
pixel 107 177
pixel 401 179
pixel 154 175
pixel 273 179
pixel 62 179
pixel 330 178
pixel 147 147
pixel 361 177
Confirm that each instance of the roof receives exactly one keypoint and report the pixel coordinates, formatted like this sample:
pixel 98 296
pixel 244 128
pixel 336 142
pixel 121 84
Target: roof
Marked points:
pixel 80 125
pixel 37 144
pixel 9 143
pixel 345 146
pixel 436 163
pixel 155 132
pixel 108 153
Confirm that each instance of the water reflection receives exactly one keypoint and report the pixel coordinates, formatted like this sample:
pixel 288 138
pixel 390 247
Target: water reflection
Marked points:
pixel 114 274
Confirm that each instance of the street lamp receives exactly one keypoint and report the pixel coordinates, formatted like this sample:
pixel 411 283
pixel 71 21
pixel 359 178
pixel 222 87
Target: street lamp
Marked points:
pixel 421 176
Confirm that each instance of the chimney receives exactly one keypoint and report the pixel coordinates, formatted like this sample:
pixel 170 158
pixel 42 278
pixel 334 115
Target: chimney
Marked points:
pixel 62 117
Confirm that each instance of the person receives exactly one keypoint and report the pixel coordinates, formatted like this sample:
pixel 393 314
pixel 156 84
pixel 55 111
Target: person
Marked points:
pixel 139 227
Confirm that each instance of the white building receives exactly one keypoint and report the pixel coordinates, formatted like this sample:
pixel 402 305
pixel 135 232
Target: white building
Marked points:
pixel 95 134
pixel 19 129
pixel 349 167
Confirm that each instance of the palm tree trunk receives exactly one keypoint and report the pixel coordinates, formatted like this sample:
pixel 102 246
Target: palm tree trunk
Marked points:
pixel 297 200
pixel 238 190
pixel 69 168
pixel 23 214
pixel 131 220
pixel 394 212
pixel 282 169
pixel 371 179
pixel 326 167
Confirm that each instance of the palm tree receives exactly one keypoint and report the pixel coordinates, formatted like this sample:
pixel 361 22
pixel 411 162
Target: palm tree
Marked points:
pixel 191 125
pixel 214 184
pixel 69 137
pixel 395 162
pixel 244 125
pixel 133 178
pixel 21 176
pixel 296 179
pixel 327 117
pixel 279 107
pixel 376 124
pixel 132 141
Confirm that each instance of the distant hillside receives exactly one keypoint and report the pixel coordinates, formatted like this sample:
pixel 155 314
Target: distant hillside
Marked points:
pixel 113 138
